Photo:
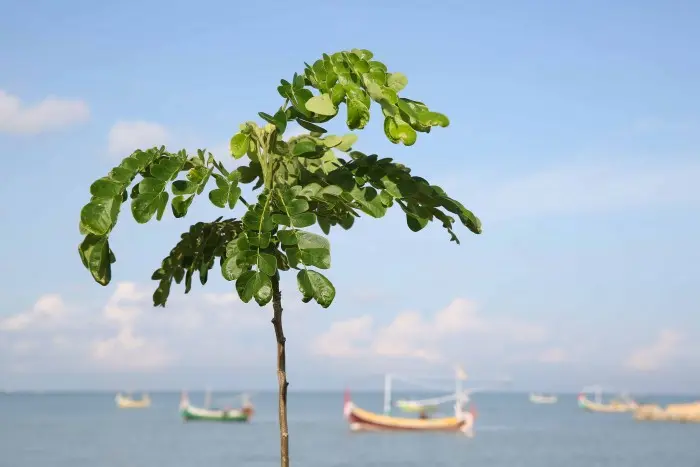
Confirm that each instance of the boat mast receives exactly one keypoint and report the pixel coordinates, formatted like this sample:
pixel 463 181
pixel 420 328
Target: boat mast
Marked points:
pixel 387 394
pixel 207 398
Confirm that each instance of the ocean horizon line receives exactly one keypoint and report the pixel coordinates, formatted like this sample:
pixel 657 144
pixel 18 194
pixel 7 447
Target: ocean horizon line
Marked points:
pixel 272 391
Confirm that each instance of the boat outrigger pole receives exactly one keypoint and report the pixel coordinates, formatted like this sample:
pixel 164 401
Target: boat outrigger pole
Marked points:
pixel 387 394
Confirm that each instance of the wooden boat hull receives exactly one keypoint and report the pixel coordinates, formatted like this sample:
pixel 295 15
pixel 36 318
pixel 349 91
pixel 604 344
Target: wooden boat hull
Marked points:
pixel 363 420
pixel 190 413
pixel 127 403
pixel 619 407
pixel 681 413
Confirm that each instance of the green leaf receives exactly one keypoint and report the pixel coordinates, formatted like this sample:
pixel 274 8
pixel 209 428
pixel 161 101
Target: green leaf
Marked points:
pixel 259 239
pixel 358 114
pixel 397 81
pixel 297 206
pixel 227 193
pixel 121 174
pixel 105 187
pixel 279 120
pixel 95 254
pixel 299 97
pixel 337 94
pixel 415 223
pixel 145 206
pixel 468 219
pixel 433 119
pixel 162 204
pixel 254 284
pixel 98 216
pixel 322 105
pixel 218 197
pixel 167 167
pixel 287 237
pixel 347 142
pixel 280 219
pixel 184 187
pixel 332 141
pixel 332 190
pixel 399 131
pixel 230 269
pixel 304 219
pixel 310 126
pixel 315 250
pixel 315 285
pixel 233 196
pixel 369 201
pixel 252 220
pixel 180 205
pixel 239 145
pixel 151 185
pixel 242 285
pixel 310 190
pixel 267 263
pixel 306 148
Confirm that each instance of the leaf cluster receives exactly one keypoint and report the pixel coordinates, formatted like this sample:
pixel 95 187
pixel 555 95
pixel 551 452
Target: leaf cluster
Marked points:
pixel 315 180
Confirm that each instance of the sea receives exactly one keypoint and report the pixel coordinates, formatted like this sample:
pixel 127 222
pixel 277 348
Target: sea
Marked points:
pixel 87 430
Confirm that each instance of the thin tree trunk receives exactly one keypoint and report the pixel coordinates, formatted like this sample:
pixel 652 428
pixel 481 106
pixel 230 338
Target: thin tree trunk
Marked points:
pixel 281 369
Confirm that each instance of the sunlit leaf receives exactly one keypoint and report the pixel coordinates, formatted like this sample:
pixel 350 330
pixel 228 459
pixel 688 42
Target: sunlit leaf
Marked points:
pixel 239 145
pixel 322 105
pixel 397 81
pixel 315 285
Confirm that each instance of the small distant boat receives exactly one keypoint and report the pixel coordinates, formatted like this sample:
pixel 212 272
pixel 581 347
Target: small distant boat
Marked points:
pixel 622 404
pixel 462 421
pixel 191 413
pixel 543 399
pixel 682 413
pixel 126 402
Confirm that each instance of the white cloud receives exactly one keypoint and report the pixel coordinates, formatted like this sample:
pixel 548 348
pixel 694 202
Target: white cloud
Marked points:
pixel 654 357
pixel 50 114
pixel 553 355
pixel 126 351
pixel 46 312
pixel 127 136
pixel 344 338
pixel 127 334
pixel 411 335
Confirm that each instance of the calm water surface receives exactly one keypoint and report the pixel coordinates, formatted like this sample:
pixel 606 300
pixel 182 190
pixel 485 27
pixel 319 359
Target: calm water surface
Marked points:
pixel 86 430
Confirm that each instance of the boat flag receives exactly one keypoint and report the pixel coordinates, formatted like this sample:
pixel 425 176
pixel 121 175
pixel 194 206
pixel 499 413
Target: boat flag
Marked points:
pixel 461 373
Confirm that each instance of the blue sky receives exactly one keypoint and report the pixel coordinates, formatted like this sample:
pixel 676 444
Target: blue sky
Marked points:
pixel 575 136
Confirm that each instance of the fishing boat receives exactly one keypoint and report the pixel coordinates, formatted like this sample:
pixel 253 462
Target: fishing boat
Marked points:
pixel 461 421
pixel 191 413
pixel 682 413
pixel 543 399
pixel 622 404
pixel 127 402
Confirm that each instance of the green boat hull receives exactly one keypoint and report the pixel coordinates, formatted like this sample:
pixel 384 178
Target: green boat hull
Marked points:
pixel 231 416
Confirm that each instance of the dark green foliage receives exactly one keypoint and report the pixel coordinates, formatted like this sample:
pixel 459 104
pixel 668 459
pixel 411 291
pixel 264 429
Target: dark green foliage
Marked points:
pixel 312 179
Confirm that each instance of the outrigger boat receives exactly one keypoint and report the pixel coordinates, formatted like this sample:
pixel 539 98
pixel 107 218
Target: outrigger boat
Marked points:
pixel 126 402
pixel 543 399
pixel 682 413
pixel 462 421
pixel 622 404
pixel 191 413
